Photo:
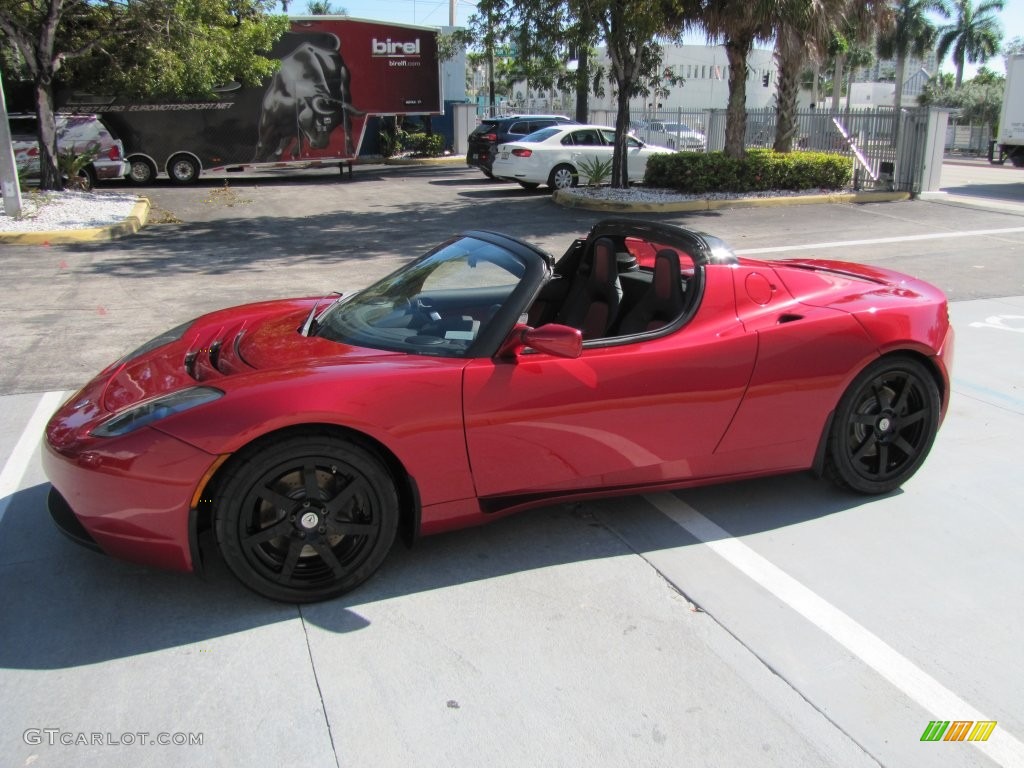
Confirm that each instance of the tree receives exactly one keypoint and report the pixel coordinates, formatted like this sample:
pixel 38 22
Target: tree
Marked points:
pixel 973 36
pixel 631 29
pixel 979 101
pixel 163 48
pixel 911 34
pixel 322 8
pixel 738 23
pixel 802 30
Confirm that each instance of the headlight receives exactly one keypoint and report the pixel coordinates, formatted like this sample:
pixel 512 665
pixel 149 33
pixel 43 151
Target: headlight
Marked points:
pixel 148 411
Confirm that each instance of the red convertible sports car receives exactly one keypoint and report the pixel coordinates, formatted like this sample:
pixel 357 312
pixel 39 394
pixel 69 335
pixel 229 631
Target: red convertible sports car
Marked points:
pixel 485 378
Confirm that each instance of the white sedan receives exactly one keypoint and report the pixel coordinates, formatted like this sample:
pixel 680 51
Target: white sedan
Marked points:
pixel 559 156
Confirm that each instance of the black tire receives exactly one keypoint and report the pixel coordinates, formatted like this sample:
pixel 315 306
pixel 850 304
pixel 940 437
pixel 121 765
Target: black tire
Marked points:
pixel 563 176
pixel 305 518
pixel 140 171
pixel 884 426
pixel 487 173
pixel 87 179
pixel 1017 158
pixel 528 185
pixel 183 169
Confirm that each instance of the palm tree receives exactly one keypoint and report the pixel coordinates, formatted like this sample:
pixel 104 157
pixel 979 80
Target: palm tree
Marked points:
pixel 912 34
pixel 738 23
pixel 974 35
pixel 802 31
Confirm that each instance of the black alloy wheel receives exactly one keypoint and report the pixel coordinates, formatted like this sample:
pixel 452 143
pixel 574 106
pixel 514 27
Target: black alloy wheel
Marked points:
pixel 884 426
pixel 306 518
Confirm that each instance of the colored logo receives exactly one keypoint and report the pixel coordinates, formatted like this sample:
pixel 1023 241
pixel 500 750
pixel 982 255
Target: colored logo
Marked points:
pixel 958 730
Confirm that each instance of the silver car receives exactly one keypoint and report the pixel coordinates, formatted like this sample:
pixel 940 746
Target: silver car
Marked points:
pixel 80 134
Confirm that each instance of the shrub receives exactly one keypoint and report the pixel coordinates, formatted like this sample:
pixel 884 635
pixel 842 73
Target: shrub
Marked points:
pixel 596 171
pixel 424 144
pixel 761 169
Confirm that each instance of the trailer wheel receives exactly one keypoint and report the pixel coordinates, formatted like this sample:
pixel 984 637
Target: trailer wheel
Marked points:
pixel 140 170
pixel 1017 158
pixel 183 169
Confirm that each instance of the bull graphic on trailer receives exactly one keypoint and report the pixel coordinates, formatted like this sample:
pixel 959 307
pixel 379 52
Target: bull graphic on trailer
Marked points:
pixel 304 115
pixel 306 100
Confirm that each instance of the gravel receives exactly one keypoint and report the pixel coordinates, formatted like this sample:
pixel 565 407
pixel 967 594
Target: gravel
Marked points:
pixel 51 211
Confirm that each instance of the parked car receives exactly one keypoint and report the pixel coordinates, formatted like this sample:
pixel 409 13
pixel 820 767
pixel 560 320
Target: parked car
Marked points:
pixel 485 378
pixel 557 156
pixel 492 131
pixel 79 134
pixel 673 136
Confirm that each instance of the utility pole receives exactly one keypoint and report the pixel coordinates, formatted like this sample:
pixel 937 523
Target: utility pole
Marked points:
pixel 451 13
pixel 8 170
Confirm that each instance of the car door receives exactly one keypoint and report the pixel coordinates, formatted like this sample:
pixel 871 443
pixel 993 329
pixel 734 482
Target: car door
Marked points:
pixel 586 146
pixel 636 154
pixel 643 412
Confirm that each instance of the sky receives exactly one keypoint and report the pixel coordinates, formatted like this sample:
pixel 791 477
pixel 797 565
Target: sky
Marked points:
pixel 434 13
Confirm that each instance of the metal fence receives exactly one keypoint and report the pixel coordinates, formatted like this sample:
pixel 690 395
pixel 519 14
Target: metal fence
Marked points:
pixel 887 153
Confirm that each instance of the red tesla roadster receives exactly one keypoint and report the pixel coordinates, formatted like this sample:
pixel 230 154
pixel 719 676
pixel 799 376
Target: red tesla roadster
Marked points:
pixel 485 378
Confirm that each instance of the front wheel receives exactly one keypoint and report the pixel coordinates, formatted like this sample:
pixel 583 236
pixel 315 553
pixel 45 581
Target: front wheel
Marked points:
pixel 183 169
pixel 563 177
pixel 884 426
pixel 306 518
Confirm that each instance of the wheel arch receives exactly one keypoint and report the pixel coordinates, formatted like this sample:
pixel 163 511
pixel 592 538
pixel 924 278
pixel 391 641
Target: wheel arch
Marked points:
pixel 409 506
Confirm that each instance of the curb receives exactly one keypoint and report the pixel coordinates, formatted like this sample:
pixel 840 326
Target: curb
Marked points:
pixel 567 199
pixel 136 220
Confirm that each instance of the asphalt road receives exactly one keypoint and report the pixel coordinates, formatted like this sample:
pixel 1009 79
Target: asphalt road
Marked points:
pixel 770 623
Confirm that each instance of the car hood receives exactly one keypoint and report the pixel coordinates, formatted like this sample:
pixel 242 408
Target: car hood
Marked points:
pixel 225 345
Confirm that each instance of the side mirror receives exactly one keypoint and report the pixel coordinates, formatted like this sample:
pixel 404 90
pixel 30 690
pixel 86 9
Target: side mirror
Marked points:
pixel 551 339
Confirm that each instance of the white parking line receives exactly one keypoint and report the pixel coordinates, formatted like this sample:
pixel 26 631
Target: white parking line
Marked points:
pixel 928 692
pixel 877 241
pixel 17 462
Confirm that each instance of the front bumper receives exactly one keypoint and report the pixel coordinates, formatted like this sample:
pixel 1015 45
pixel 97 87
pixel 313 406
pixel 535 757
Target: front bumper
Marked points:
pixel 129 496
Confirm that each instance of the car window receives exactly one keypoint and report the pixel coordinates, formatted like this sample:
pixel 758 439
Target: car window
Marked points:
pixel 485 126
pixel 521 127
pixel 536 125
pixel 23 126
pixel 588 137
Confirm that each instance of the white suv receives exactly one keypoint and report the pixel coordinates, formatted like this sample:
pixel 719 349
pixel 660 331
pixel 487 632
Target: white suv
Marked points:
pixel 75 133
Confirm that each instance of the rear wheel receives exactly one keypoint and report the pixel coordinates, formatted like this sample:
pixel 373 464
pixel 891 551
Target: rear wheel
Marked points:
pixel 563 177
pixel 141 170
pixel 183 169
pixel 884 426
pixel 1017 158
pixel 306 518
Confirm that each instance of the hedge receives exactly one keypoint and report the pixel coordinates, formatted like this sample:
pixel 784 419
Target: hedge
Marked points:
pixel 761 169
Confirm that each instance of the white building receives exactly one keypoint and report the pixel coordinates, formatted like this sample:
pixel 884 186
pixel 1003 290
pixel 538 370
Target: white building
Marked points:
pixel 703 68
pixel 705 71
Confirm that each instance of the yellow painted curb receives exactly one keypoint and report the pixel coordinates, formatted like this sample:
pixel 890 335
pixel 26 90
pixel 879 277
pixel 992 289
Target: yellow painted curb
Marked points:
pixel 136 220
pixel 569 200
pixel 449 160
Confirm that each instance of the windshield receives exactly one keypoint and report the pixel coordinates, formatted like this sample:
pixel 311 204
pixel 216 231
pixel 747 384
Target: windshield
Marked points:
pixel 437 305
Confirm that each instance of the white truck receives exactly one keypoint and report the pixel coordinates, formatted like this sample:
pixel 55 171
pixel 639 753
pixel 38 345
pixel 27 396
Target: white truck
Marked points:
pixel 1010 139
